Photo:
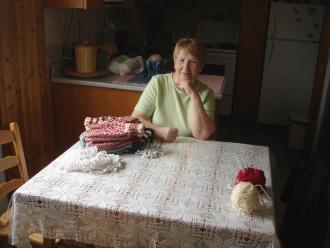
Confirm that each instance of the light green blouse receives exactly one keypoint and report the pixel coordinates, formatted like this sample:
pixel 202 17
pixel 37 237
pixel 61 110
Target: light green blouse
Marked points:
pixel 168 106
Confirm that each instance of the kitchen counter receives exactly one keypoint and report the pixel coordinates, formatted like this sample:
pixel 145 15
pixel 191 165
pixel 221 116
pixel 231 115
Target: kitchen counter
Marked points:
pixel 122 82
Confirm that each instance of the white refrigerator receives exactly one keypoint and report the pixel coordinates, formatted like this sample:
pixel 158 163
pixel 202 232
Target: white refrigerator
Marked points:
pixel 290 59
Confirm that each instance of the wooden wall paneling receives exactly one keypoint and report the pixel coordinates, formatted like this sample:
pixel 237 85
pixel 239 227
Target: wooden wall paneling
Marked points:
pixel 21 47
pixel 24 93
pixel 45 86
pixel 10 104
pixel 66 3
pixel 93 4
pixel 42 95
pixel 87 4
pixel 72 103
pixel 24 72
pixel 2 88
pixel 254 21
pixel 31 84
pixel 83 4
pixel 2 83
pixel 249 76
pixel 8 60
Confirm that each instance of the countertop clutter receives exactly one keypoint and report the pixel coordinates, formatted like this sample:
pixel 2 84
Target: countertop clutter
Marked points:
pixel 127 82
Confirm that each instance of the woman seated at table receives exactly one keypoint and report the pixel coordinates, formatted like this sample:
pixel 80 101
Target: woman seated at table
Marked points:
pixel 178 104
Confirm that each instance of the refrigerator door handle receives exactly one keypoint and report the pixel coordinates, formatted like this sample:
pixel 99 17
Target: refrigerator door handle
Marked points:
pixel 275 25
pixel 273 33
pixel 271 52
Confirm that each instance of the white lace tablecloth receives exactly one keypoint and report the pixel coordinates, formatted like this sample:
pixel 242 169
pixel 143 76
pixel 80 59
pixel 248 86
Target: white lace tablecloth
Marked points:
pixel 181 199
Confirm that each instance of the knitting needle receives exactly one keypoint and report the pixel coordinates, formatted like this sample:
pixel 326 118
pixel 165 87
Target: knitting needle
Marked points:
pixel 262 188
pixel 242 165
pixel 239 165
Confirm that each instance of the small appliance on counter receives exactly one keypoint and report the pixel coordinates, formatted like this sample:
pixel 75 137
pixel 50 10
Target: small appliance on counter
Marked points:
pixel 85 57
pixel 85 62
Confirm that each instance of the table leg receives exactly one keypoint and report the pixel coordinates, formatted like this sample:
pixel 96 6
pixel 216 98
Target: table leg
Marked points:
pixel 48 243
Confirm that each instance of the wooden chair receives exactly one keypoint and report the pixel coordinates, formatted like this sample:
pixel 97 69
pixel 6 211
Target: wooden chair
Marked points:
pixel 17 160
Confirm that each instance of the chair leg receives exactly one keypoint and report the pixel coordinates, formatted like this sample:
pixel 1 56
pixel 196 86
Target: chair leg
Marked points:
pixel 48 243
pixel 4 242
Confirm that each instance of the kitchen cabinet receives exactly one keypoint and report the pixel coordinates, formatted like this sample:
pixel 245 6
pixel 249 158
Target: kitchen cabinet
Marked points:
pixel 72 103
pixel 86 4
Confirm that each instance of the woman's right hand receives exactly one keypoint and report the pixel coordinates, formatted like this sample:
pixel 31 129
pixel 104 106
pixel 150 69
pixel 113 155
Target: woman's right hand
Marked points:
pixel 167 134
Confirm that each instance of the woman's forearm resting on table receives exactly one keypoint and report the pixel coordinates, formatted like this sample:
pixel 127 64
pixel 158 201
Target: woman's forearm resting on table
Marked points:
pixel 168 134
pixel 201 125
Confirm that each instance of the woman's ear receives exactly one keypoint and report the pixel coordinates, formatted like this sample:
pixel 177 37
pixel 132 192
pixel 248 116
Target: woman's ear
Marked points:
pixel 173 65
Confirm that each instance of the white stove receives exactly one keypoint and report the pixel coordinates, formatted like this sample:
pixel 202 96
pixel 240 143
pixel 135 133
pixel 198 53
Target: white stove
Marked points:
pixel 219 61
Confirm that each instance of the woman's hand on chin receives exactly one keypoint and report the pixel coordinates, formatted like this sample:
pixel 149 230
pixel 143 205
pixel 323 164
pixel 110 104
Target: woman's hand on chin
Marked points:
pixel 188 86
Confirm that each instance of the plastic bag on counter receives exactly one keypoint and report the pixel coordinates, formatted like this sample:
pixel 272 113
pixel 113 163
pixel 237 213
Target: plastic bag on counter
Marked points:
pixel 123 65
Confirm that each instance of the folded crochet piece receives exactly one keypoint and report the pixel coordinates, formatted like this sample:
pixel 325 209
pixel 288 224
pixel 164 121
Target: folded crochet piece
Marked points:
pixel 137 144
pixel 91 120
pixel 114 128
pixel 112 144
pixel 101 119
pixel 115 134
pixel 90 160
pixel 97 137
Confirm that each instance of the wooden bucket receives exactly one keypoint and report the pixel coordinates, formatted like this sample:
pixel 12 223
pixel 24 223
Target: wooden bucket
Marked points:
pixel 85 58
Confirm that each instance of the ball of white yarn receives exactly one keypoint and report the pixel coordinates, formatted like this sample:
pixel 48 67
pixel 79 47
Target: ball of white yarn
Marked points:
pixel 245 197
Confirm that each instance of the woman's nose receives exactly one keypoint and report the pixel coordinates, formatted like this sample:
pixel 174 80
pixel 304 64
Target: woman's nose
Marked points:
pixel 185 66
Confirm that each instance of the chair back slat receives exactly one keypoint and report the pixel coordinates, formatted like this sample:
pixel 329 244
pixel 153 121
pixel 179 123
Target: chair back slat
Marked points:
pixel 19 151
pixel 10 186
pixel 8 162
pixel 6 136
pixel 17 159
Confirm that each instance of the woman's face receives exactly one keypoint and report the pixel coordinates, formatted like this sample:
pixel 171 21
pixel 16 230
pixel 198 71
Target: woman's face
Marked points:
pixel 187 66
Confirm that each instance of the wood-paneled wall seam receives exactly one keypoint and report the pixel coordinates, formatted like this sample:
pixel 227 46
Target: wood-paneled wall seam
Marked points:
pixel 250 60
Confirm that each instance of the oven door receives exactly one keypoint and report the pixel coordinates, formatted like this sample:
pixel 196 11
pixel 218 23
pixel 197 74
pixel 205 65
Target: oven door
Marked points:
pixel 223 63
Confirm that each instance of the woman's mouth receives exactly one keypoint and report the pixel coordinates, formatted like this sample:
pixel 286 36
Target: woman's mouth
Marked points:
pixel 185 76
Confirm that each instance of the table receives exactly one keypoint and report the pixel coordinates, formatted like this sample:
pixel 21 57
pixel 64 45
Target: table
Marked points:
pixel 181 199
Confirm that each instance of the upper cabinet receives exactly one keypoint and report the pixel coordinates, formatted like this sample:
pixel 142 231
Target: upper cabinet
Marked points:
pixel 86 4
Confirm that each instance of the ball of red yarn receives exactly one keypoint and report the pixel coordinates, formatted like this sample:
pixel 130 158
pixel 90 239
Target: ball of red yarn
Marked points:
pixel 252 175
